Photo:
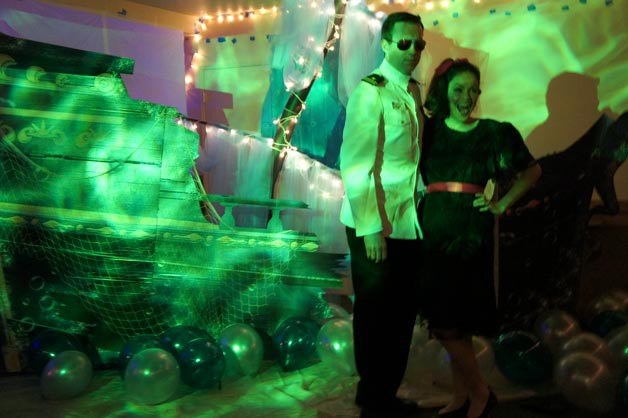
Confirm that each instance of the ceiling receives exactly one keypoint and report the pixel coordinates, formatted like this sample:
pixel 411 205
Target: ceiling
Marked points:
pixel 198 7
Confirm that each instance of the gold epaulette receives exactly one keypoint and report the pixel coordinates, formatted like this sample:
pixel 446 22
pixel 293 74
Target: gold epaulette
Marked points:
pixel 375 79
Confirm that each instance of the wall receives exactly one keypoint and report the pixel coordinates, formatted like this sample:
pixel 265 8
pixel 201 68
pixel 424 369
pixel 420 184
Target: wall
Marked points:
pixel 158 74
pixel 552 68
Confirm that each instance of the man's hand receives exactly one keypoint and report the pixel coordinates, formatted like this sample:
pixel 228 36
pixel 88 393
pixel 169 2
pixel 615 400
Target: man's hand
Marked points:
pixel 375 247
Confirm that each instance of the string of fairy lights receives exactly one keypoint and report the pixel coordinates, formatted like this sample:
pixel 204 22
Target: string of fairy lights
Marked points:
pixel 230 16
pixel 319 178
pixel 327 184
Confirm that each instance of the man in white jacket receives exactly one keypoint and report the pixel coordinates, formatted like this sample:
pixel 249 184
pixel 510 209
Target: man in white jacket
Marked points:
pixel 379 160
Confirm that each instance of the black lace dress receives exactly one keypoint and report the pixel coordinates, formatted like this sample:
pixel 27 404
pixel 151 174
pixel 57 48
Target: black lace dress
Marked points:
pixel 456 281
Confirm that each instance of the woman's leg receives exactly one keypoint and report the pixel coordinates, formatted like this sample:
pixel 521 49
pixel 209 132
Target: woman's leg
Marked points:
pixel 461 393
pixel 462 354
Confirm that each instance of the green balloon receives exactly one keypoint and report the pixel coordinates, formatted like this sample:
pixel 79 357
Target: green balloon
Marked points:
pixel 176 337
pixel 202 363
pixel 605 322
pixel 622 393
pixel 618 344
pixel 295 342
pixel 522 358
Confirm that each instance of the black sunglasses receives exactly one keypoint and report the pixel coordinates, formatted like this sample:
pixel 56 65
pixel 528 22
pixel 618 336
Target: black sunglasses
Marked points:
pixel 404 44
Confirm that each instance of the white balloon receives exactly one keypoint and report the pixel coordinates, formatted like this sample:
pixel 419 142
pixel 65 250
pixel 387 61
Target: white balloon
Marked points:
pixel 246 344
pixel 152 376
pixel 422 362
pixel 338 311
pixel 587 342
pixel 334 345
pixel 586 382
pixel 554 328
pixel 66 375
pixel 611 301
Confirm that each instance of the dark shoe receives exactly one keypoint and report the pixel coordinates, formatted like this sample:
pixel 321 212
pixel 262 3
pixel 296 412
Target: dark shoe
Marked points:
pixel 490 404
pixel 457 413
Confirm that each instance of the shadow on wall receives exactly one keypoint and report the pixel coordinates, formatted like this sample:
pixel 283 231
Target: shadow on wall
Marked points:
pixel 572 105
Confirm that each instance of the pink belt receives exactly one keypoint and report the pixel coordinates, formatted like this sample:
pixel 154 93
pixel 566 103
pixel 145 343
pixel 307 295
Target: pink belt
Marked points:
pixel 454 187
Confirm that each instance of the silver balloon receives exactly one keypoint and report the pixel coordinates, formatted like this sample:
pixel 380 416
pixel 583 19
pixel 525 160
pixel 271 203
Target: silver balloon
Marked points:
pixel 586 382
pixel 554 328
pixel 587 342
pixel 618 344
pixel 334 345
pixel 66 375
pixel 622 297
pixel 152 376
pixel 246 344
pixel 612 301
pixel 338 311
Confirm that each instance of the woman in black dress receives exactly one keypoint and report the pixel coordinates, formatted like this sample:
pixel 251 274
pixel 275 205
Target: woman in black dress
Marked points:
pixel 461 158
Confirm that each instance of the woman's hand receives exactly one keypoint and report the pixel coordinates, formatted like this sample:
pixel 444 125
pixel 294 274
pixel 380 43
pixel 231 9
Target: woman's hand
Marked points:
pixel 485 205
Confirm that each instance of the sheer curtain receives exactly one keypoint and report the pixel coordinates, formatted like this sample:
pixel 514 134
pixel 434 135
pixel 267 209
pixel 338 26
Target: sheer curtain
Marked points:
pixel 237 164
pixel 305 179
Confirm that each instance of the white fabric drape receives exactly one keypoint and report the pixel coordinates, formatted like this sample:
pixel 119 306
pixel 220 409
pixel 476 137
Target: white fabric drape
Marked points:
pixel 360 49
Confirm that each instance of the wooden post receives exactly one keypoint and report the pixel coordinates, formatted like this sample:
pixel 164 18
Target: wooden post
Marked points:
pixel 10 352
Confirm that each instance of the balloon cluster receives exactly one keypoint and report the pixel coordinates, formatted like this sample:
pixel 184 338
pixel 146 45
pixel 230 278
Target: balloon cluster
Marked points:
pixel 588 364
pixel 154 366
pixel 300 342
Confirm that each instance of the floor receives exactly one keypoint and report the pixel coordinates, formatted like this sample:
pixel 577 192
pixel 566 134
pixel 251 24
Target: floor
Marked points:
pixel 316 391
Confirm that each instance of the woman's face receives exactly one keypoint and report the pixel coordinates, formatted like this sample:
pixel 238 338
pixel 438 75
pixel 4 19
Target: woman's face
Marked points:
pixel 462 93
